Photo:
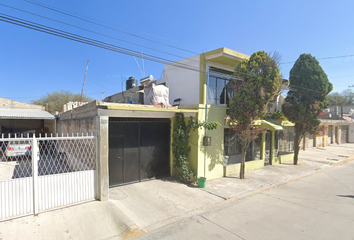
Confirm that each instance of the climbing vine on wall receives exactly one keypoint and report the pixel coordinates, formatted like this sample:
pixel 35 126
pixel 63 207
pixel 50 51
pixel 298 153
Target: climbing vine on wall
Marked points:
pixel 180 145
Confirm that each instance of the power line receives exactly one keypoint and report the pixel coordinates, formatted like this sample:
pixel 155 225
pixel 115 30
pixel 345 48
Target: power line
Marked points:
pixel 111 47
pixel 102 25
pixel 33 2
pixel 88 30
pixel 96 43
pixel 135 35
pixel 98 84
pixel 324 58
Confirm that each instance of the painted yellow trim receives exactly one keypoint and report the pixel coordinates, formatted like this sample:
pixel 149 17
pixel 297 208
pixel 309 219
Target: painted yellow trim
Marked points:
pixel 234 169
pixel 225 51
pixel 223 56
pixel 286 158
pixel 202 80
pixel 271 126
pixel 263 146
pixel 151 109
pixel 287 124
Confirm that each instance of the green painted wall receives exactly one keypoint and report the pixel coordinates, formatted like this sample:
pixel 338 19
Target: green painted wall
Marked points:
pixel 202 80
pixel 211 158
pixel 234 169
pixel 193 142
pixel 286 158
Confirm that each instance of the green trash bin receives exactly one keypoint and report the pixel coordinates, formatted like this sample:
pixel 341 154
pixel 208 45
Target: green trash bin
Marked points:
pixel 202 182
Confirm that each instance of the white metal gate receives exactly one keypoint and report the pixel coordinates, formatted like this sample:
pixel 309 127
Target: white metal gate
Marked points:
pixel 38 174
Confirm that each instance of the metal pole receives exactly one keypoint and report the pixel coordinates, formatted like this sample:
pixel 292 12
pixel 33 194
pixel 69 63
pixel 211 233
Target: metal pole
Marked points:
pixel 206 115
pixel 83 85
pixel 35 158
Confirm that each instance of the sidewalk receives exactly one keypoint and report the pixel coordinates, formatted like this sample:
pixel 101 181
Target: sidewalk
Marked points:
pixel 141 207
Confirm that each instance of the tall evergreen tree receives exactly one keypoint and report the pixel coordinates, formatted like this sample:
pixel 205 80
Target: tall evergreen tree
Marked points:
pixel 309 86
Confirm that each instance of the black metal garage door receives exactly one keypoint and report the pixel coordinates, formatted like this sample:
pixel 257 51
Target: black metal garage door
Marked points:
pixel 138 149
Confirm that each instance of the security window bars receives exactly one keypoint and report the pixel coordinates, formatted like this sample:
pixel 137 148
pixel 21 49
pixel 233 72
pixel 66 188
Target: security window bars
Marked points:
pixel 284 140
pixel 232 143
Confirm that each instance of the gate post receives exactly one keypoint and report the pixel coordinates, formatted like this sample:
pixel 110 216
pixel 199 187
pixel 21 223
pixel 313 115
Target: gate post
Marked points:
pixel 102 150
pixel 35 158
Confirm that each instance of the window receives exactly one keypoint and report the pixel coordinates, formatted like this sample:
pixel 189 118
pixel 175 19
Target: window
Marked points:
pixel 219 89
pixel 232 143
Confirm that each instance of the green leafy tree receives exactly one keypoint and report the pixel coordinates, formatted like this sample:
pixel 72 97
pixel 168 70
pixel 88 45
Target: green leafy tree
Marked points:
pixel 54 101
pixel 336 99
pixel 257 84
pixel 306 99
pixel 346 97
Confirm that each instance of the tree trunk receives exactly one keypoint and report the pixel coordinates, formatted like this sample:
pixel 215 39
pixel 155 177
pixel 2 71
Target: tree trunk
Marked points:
pixel 244 146
pixel 297 140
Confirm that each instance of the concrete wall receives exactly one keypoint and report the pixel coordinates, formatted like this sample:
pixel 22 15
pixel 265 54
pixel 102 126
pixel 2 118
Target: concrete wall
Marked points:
pixel 8 103
pixel 70 105
pixel 183 83
pixel 234 169
pixel 50 126
pixel 79 120
pixel 346 109
pixel 102 158
pixel 74 126
pixel 285 158
pixel 351 133
pixel 123 97
pixel 86 111
pixel 84 120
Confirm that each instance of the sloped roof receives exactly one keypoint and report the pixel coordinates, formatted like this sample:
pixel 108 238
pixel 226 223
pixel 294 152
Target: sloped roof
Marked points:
pixel 6 113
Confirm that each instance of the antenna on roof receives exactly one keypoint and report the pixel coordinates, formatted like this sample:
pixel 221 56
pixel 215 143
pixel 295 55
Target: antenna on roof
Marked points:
pixel 83 85
pixel 138 66
pixel 142 58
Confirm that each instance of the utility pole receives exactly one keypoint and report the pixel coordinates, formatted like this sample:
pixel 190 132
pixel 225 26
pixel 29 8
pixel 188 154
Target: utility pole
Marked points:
pixel 83 85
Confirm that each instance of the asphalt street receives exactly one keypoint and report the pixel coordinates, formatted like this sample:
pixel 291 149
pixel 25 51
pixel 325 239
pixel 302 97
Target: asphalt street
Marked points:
pixel 319 206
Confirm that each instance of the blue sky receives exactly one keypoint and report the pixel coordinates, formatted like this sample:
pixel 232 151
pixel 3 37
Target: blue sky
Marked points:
pixel 34 63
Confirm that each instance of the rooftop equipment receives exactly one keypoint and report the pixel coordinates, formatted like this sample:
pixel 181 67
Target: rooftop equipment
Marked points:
pixel 131 82
pixel 146 80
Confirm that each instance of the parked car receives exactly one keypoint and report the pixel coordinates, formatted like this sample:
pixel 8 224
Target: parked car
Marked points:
pixel 18 148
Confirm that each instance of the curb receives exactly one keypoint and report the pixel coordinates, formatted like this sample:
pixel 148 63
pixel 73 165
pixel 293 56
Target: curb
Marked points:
pixel 239 196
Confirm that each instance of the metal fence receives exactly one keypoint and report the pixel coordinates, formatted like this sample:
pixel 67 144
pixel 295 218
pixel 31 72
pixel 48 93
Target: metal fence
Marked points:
pixel 284 140
pixel 40 173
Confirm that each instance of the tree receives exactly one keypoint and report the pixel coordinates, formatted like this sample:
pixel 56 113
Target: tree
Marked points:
pixel 336 99
pixel 346 97
pixel 258 82
pixel 54 101
pixel 309 86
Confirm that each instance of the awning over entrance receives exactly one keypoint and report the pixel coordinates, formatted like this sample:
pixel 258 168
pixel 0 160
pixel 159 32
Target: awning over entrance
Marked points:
pixel 25 114
pixel 271 126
